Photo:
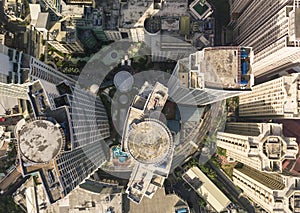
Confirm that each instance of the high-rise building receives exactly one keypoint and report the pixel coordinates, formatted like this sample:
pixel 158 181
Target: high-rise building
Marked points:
pixel 270 28
pixel 10 60
pixel 237 7
pixel 259 145
pixel 171 30
pixel 251 15
pixel 63 131
pixel 277 98
pixel 18 91
pixel 211 75
pixel 272 192
pixel 149 142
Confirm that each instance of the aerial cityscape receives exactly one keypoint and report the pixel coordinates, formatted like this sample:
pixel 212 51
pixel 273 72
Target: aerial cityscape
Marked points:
pixel 150 106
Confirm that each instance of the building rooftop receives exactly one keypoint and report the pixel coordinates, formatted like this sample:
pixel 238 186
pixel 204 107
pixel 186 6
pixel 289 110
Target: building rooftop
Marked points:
pixel 40 141
pixel 200 9
pixel 206 189
pixel 140 181
pixel 134 12
pixel 270 180
pixel 35 9
pixel 163 203
pixel 153 24
pixel 42 21
pixel 149 141
pixel 219 67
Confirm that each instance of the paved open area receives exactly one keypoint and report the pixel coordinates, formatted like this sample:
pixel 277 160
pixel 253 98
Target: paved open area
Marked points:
pixel 160 202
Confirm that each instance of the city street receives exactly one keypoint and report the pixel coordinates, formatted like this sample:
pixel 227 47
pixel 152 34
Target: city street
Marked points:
pixel 189 195
pixel 232 190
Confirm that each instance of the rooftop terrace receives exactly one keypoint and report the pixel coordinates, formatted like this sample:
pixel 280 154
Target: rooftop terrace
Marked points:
pixel 149 141
pixel 226 67
pixel 41 141
pixel 134 12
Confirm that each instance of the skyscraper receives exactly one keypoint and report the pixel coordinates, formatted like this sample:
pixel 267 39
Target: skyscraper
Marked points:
pixel 149 142
pixel 272 192
pixel 10 60
pixel 250 16
pixel 278 98
pixel 261 146
pixel 270 28
pixel 212 75
pixel 62 134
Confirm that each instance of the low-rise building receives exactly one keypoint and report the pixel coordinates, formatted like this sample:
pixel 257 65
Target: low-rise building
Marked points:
pixel 206 189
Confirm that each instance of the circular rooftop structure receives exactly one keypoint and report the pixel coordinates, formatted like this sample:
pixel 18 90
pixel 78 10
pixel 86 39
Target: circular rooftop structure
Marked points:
pixel 123 80
pixel 152 25
pixel 149 142
pixel 40 141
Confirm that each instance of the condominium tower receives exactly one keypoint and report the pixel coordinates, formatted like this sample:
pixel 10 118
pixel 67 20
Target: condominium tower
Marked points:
pixel 272 192
pixel 261 146
pixel 212 75
pixel 62 134
pixel 278 98
pixel 271 29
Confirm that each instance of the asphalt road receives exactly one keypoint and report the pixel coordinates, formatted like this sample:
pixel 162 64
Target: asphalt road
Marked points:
pixel 189 195
pixel 231 189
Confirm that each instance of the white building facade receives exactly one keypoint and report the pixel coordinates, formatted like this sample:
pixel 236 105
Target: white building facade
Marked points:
pixel 261 146
pixel 278 98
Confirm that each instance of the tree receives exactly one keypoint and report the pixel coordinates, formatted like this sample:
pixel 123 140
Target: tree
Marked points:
pixel 42 57
pixel 7 205
pixel 202 203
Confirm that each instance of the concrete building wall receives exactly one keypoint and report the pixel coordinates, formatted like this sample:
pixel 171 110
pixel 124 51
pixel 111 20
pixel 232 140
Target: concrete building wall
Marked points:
pixel 259 147
pixel 257 13
pixel 274 193
pixel 19 91
pixel 279 98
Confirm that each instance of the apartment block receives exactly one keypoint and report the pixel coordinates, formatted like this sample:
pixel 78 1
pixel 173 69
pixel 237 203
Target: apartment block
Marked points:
pixel 272 192
pixel 261 146
pixel 212 74
pixel 62 134
pixel 253 16
pixel 270 28
pixel 278 98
